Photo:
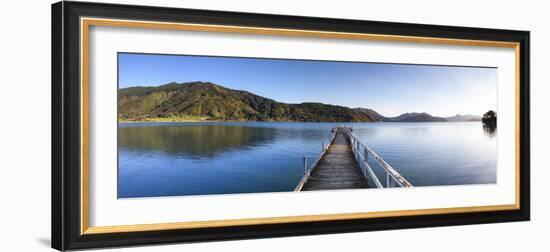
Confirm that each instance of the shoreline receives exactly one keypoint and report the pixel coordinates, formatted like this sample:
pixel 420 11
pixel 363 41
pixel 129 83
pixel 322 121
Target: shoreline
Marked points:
pixel 237 121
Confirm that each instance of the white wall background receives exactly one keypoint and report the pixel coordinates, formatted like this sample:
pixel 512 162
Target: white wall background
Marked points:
pixel 25 125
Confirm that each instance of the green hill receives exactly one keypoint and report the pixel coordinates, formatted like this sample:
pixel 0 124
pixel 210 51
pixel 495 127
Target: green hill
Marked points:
pixel 416 117
pixel 372 114
pixel 208 101
pixel 407 117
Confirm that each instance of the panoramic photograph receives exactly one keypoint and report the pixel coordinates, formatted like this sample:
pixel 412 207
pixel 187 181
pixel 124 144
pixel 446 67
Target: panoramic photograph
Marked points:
pixel 204 125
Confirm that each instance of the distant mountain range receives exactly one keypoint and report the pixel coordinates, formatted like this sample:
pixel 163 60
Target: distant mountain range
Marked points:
pixel 419 117
pixel 464 118
pixel 208 101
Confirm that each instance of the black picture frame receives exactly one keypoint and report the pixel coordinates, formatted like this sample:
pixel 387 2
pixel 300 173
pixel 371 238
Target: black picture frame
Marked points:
pixel 66 124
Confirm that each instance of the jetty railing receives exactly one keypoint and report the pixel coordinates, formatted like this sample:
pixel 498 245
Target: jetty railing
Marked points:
pixel 362 153
pixel 307 170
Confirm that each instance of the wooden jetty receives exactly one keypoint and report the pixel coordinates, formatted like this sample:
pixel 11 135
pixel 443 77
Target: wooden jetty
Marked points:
pixel 343 164
pixel 338 168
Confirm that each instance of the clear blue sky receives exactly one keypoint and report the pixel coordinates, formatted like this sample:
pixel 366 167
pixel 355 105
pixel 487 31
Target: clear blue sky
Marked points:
pixel 390 89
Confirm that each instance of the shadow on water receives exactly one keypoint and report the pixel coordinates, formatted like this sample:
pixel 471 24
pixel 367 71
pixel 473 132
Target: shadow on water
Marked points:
pixel 490 131
pixel 193 140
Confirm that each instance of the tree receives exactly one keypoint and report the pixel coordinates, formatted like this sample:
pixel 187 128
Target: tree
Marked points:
pixel 490 119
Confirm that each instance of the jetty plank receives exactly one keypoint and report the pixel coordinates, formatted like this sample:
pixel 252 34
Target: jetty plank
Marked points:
pixel 338 168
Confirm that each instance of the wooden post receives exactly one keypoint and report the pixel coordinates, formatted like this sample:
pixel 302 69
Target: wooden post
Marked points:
pixel 305 166
pixel 322 146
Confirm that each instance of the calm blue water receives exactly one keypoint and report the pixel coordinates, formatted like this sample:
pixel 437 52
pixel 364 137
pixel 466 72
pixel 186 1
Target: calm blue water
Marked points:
pixel 167 159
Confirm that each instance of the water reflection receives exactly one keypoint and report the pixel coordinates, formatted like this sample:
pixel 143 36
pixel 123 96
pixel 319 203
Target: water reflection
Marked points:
pixel 197 140
pixel 165 159
pixel 490 131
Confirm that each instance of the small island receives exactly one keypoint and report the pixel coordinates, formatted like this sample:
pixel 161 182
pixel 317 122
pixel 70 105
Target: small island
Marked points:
pixel 489 119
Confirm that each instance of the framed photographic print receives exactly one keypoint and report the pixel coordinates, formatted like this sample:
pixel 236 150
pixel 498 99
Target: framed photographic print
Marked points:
pixel 178 125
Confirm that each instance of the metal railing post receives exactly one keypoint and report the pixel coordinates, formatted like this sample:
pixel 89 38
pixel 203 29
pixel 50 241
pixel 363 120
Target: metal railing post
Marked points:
pixel 322 146
pixel 305 166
